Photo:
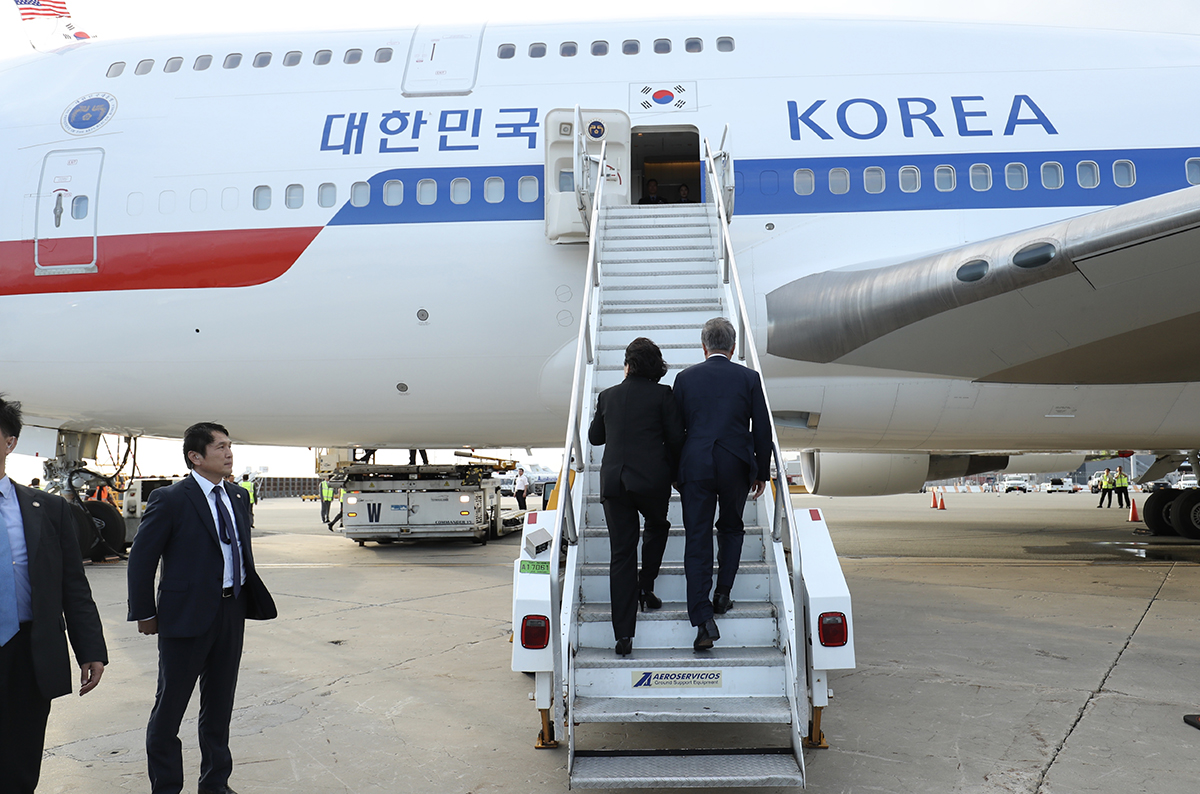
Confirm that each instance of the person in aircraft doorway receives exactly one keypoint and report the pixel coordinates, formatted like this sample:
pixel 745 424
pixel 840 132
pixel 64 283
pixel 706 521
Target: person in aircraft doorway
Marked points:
pixel 651 195
pixel 683 195
pixel 1106 487
pixel 1121 486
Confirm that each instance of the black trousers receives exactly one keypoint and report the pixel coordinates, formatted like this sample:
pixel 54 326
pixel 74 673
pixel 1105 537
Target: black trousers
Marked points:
pixel 213 659
pixel 325 511
pixel 23 715
pixel 1122 496
pixel 624 582
pixel 1103 493
pixel 520 500
pixel 701 498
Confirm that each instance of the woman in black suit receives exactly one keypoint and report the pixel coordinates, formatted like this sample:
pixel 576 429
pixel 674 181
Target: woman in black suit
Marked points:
pixel 639 425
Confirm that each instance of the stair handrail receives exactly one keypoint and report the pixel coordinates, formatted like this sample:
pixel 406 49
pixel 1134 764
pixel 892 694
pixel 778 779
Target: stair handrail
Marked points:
pixel 783 517
pixel 582 172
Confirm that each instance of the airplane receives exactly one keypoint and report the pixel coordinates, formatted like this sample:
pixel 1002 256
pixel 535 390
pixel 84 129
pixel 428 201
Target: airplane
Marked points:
pixel 960 243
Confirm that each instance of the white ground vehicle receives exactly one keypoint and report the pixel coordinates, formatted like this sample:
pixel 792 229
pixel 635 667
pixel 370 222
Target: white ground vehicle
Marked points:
pixel 1015 482
pixel 1061 485
pixel 1186 481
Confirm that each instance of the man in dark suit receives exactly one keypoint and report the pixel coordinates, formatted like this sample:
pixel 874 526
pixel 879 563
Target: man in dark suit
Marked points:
pixel 726 456
pixel 41 584
pixel 200 529
pixel 639 426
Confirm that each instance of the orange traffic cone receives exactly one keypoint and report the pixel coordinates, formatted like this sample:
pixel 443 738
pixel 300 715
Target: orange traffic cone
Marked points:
pixel 934 505
pixel 1133 515
pixel 942 503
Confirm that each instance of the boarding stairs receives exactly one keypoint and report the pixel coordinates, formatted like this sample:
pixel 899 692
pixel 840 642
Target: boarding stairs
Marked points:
pixel 662 271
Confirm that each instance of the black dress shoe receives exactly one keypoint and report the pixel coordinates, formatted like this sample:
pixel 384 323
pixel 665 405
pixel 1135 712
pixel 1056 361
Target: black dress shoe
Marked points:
pixel 706 635
pixel 624 646
pixel 722 603
pixel 647 600
pixel 221 790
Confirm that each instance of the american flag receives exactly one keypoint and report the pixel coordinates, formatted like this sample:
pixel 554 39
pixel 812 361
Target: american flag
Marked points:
pixel 32 9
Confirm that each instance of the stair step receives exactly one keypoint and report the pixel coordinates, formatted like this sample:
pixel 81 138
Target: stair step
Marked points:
pixel 771 710
pixel 640 287
pixel 677 610
pixel 673 658
pixel 720 769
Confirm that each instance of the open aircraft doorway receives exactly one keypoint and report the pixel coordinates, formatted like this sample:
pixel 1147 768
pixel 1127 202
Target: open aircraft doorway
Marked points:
pixel 671 157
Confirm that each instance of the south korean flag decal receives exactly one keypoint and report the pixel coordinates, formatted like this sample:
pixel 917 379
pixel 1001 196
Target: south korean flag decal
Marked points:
pixel 662 97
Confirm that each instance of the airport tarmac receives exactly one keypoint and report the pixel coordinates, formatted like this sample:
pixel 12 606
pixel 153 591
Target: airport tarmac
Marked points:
pixel 1016 643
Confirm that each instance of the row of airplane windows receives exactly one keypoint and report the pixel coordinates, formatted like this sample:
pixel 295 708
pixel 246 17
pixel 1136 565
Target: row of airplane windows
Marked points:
pixel 392 195
pixel 569 49
pixel 945 179
pixel 263 59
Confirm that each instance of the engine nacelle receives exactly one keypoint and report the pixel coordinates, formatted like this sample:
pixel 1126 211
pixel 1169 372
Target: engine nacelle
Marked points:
pixel 863 473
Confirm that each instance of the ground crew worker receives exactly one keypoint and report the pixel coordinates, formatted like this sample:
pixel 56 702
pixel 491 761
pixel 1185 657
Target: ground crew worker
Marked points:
pixel 521 488
pixel 1121 486
pixel 248 484
pixel 36 482
pixel 1106 487
pixel 326 500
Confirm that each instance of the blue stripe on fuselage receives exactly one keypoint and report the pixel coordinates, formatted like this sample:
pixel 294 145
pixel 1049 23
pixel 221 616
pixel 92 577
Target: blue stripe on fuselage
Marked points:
pixel 443 209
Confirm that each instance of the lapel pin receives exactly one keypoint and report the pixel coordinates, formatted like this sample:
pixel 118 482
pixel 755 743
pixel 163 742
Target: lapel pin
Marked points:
pixel 37 504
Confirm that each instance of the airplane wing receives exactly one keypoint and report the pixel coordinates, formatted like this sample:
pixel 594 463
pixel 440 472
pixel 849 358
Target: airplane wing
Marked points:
pixel 1103 298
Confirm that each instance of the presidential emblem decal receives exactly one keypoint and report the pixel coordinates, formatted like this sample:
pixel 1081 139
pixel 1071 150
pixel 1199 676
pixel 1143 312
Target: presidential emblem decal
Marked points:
pixel 89 113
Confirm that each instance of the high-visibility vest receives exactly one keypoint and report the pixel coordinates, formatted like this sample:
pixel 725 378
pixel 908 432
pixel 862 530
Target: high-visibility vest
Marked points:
pixel 1106 481
pixel 1121 481
pixel 326 491
pixel 249 486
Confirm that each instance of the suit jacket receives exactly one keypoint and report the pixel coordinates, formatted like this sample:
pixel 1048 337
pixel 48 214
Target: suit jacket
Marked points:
pixel 178 529
pixel 639 426
pixel 60 593
pixel 722 403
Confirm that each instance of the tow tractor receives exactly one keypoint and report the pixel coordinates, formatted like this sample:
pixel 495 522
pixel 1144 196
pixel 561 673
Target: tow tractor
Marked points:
pixel 386 503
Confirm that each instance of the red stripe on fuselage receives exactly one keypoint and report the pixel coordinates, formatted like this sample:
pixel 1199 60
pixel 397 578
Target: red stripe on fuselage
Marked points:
pixel 176 260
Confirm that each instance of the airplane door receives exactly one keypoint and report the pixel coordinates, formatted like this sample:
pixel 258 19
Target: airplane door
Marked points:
pixel 443 60
pixel 65 220
pixel 564 224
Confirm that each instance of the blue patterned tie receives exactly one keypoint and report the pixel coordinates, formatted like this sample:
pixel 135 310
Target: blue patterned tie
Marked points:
pixel 9 625
pixel 227 536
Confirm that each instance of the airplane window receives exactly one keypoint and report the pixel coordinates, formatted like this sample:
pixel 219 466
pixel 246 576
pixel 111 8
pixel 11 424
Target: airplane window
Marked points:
pixel 804 182
pixel 631 47
pixel 116 69
pixel 166 202
pixel 506 51
pixel 134 204
pixel 327 195
pixel 426 191
pixel 1015 176
pixel 144 67
pixel 232 61
pixel 79 207
pixel 360 194
pixel 292 58
pixel 566 181
pixel 493 189
pixel 1123 173
pixel 460 191
pixel 1052 176
pixel 229 199
pixel 973 270
pixel 725 44
pixel 599 48
pixel 198 201
pixel 981 177
pixel 293 197
pixel 527 189
pixel 1193 171
pixel 944 178
pixel 1034 255
pixel 874 180
pixel 910 179
pixel 537 50
pixel 1088 174
pixel 662 46
pixel 262 197
pixel 768 183
pixel 568 49
pixel 839 181
pixel 383 55
pixel 173 65
pixel 694 45
pixel 202 63
pixel 262 59
pixel 352 56
pixel 322 57
pixel 393 192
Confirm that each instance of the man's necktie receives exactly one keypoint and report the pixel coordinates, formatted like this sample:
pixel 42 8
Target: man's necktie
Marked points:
pixel 227 536
pixel 9 624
